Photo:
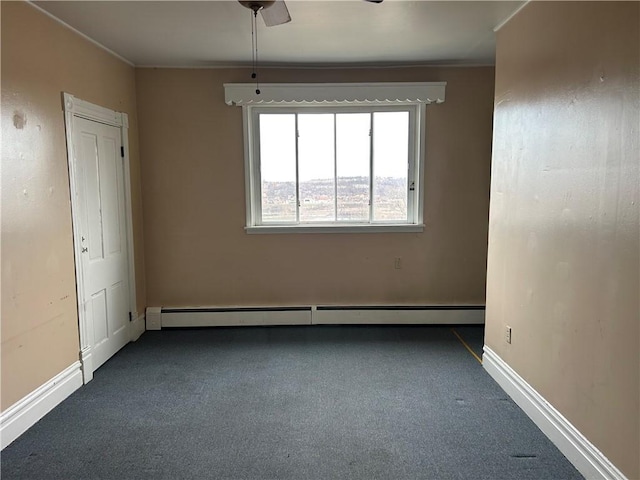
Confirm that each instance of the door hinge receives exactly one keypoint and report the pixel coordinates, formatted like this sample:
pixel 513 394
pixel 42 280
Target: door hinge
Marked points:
pixel 122 152
pixel 130 317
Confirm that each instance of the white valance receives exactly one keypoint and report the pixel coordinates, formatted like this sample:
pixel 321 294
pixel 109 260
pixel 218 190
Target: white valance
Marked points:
pixel 282 93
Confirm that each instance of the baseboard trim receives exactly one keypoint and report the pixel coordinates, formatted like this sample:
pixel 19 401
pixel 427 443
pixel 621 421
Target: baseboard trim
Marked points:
pixel 21 416
pixel 86 361
pixel 137 327
pixel 163 317
pixel 587 459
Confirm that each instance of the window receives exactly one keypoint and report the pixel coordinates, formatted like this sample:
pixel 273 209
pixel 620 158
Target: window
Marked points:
pixel 343 166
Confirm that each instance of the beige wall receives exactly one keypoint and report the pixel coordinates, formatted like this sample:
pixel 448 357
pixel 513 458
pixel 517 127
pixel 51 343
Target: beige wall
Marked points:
pixel 563 260
pixel 197 252
pixel 40 59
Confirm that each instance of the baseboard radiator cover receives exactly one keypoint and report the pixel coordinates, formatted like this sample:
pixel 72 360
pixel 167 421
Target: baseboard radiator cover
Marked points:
pixel 234 316
pixel 26 412
pixel 399 315
pixel 168 317
pixel 587 459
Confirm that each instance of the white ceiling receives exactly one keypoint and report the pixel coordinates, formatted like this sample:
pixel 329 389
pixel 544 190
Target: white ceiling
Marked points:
pixel 338 32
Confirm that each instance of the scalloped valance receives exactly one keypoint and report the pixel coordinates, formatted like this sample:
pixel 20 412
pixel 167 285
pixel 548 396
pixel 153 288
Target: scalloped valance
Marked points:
pixel 298 93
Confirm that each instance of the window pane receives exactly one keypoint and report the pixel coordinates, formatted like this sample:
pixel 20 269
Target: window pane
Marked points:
pixel 316 167
pixel 353 147
pixel 278 167
pixel 390 166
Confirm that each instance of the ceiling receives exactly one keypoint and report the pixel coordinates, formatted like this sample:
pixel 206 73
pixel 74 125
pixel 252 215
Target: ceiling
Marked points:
pixel 321 33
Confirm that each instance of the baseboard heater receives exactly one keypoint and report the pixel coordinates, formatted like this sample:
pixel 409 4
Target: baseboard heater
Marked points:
pixel 166 317
pixel 235 316
pixel 399 315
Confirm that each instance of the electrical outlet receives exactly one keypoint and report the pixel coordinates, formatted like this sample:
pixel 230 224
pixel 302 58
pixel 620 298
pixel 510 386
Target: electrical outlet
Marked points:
pixel 397 263
pixel 508 334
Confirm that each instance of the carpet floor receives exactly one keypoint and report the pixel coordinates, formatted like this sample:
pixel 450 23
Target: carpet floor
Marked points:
pixel 332 402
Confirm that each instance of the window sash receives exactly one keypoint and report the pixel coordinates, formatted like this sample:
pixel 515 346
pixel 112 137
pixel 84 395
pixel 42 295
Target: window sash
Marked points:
pixel 254 177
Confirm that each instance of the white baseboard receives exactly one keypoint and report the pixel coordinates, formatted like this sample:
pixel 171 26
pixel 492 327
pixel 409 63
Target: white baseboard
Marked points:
pixel 86 360
pixel 136 327
pixel 399 315
pixel 21 416
pixel 587 459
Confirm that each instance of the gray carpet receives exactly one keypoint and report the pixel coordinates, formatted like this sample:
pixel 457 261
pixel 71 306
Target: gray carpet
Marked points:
pixel 289 403
pixel 473 336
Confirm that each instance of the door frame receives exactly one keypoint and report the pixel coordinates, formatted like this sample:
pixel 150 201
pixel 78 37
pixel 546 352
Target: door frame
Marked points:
pixel 74 107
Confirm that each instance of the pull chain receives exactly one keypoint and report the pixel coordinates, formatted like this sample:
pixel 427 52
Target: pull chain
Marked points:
pixel 254 50
pixel 253 46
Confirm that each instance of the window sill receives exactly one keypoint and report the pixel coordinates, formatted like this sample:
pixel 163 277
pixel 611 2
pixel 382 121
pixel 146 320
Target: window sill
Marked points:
pixel 389 228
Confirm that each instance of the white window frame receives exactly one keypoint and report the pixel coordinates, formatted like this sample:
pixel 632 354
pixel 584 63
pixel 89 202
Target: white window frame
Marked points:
pixel 253 184
pixel 413 95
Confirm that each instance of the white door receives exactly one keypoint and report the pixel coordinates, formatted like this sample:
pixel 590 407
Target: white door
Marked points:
pixel 102 218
